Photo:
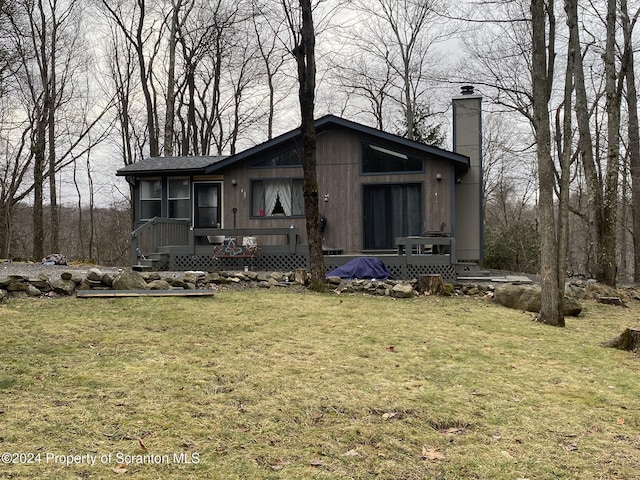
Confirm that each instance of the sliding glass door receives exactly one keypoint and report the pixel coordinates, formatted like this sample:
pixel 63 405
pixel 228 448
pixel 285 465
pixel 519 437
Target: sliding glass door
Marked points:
pixel 391 211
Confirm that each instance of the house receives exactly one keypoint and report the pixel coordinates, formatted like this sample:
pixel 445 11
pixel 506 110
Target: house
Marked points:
pixel 380 194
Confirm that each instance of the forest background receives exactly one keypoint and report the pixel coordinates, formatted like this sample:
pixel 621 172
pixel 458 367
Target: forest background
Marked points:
pixel 89 86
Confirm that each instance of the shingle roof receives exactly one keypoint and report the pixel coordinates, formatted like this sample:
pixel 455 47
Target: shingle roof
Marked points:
pixel 156 165
pixel 210 164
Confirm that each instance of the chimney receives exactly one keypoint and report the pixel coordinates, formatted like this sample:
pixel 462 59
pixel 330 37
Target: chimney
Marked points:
pixel 466 90
pixel 467 140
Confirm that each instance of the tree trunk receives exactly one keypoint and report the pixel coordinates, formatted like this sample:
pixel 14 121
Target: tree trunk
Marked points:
pixel 5 229
pixel 171 83
pixel 585 142
pixel 633 130
pixel 552 309
pixel 54 216
pixel 81 253
pixel 38 189
pixel 304 53
pixel 92 210
pixel 607 265
pixel 145 78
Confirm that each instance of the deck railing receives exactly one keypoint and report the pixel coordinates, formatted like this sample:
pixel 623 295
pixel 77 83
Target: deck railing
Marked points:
pixel 157 232
pixel 418 246
pixel 265 236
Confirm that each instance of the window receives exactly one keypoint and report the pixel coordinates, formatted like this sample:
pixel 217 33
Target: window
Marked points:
pixel 376 159
pixel 207 201
pixel 290 158
pixel 150 198
pixel 179 198
pixel 277 197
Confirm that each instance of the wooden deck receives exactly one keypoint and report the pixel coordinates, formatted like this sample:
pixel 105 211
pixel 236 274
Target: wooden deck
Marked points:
pixel 172 245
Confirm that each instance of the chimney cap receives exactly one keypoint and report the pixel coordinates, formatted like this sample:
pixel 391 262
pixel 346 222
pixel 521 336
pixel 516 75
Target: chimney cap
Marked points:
pixel 466 90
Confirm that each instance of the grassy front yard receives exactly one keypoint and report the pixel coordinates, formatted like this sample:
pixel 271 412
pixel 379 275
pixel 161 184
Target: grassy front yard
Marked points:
pixel 270 384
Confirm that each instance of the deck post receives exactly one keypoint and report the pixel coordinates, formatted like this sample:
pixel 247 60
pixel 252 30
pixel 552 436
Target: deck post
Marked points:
pixel 191 239
pixel 293 239
pixel 134 245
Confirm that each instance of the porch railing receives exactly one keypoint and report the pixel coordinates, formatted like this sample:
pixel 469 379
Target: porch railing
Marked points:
pixel 264 236
pixel 418 246
pixel 157 232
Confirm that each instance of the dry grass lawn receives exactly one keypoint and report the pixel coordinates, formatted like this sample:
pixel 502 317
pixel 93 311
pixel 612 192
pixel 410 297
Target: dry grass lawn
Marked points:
pixel 277 385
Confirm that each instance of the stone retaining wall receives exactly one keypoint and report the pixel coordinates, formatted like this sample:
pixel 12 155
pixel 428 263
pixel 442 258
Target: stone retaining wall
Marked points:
pixel 69 281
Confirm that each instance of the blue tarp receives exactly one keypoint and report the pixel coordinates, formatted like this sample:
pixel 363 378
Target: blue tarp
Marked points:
pixel 362 267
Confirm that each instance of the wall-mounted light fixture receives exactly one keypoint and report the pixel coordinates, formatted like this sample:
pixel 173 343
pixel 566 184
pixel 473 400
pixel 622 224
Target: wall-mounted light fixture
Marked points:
pixel 326 197
pixel 234 182
pixel 438 177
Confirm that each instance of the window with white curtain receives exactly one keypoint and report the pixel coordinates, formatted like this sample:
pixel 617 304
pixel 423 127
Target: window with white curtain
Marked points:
pixel 277 197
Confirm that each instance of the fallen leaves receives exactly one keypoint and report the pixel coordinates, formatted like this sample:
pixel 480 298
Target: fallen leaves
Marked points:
pixel 142 445
pixel 280 465
pixel 570 447
pixel 120 468
pixel 431 454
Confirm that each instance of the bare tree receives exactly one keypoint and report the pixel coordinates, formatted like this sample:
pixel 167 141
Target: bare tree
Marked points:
pixel 206 40
pixel 593 214
pixel 47 39
pixel 174 20
pixel 607 265
pixel 543 53
pixel 398 39
pixel 268 28
pixel 143 33
pixel 633 129
pixel 300 21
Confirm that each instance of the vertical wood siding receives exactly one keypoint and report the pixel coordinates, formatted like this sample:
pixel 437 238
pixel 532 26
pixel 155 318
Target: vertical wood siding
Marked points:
pixel 338 159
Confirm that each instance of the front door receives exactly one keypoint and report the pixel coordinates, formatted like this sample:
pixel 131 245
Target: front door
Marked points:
pixel 391 211
pixel 206 205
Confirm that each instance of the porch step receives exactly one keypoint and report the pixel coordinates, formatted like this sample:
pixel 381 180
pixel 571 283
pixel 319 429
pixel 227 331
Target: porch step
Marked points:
pixel 143 265
pixel 154 261
pixel 470 269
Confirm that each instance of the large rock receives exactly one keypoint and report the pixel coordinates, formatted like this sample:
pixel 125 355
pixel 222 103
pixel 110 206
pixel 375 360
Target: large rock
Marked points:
pixel 17 285
pixel 402 290
pixel 159 285
pixel 528 298
pixel 107 280
pixel 129 280
pixel 193 276
pixel 33 291
pixel 94 275
pixel 64 287
pixel 177 282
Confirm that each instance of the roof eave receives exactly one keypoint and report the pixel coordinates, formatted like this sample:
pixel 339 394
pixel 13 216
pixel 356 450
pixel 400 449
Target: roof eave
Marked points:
pixel 153 173
pixel 331 120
